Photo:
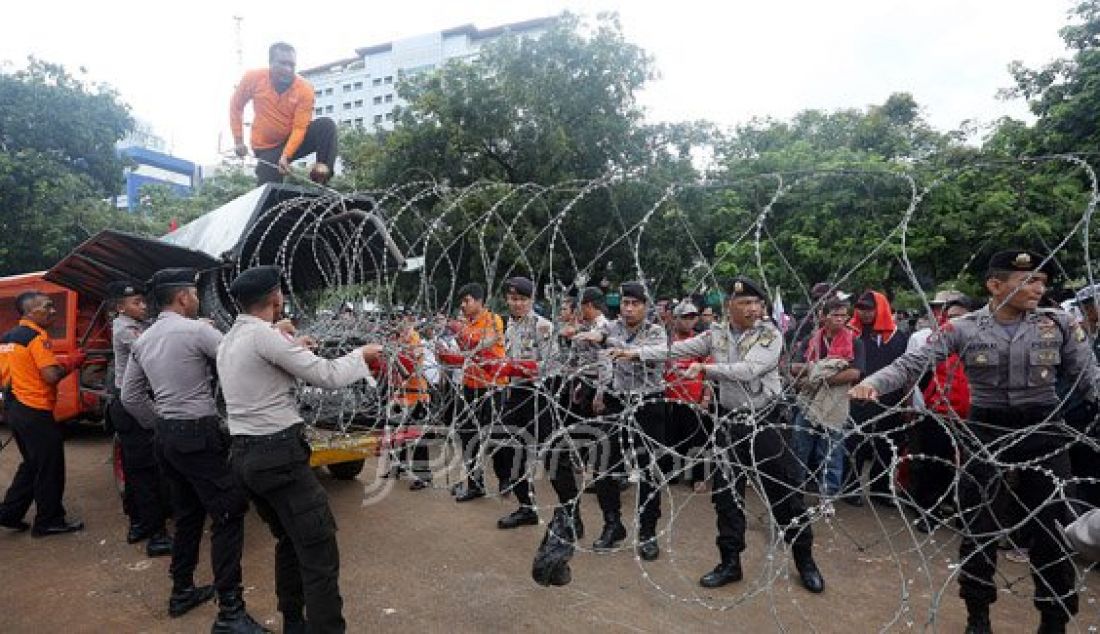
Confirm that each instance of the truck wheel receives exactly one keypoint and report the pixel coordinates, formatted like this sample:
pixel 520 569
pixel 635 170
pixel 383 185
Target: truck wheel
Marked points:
pixel 346 470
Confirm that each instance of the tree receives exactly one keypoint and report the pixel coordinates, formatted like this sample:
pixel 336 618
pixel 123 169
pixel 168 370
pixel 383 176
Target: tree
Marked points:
pixel 58 163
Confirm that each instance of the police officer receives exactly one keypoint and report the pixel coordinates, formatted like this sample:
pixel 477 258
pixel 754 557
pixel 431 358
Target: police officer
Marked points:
pixel 259 367
pixel 172 361
pixel 635 405
pixel 1013 353
pixel 748 439
pixel 139 465
pixel 30 393
pixel 529 346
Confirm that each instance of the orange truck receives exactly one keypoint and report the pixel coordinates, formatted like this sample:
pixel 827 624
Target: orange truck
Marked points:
pixel 81 325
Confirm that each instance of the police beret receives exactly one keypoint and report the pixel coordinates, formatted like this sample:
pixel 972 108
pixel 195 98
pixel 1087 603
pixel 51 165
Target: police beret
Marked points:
pixel 255 283
pixel 1019 260
pixel 744 287
pixel 634 290
pixel 473 289
pixel 120 289
pixel 592 295
pixel 685 308
pixel 174 278
pixel 520 286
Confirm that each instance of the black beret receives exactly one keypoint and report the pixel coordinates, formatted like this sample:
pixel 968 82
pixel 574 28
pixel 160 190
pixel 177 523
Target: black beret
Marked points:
pixel 744 287
pixel 1019 260
pixel 520 286
pixel 635 290
pixel 473 289
pixel 592 295
pixel 174 278
pixel 255 283
pixel 120 289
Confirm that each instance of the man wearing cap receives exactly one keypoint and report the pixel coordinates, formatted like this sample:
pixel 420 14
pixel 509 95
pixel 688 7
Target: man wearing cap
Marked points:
pixel 259 367
pixel 529 346
pixel 31 375
pixel 1013 353
pixel 746 351
pixel 172 362
pixel 689 398
pixel 139 464
pixel 635 408
pixel 480 341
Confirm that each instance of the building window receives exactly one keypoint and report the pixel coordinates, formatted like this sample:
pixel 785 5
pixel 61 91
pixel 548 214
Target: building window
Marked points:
pixel 319 111
pixel 358 103
pixel 389 98
pixel 317 93
pixel 328 109
pixel 347 87
pixel 389 79
pixel 347 105
pixel 389 116
pixel 378 100
pixel 359 121
pixel 377 81
pixel 358 85
pixel 378 118
pixel 328 91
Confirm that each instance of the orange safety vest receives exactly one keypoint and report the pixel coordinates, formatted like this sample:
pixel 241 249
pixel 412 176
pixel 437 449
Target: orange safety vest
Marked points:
pixel 414 388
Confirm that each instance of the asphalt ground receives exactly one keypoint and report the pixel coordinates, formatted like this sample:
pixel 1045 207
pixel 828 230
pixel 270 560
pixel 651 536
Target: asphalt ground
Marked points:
pixel 416 561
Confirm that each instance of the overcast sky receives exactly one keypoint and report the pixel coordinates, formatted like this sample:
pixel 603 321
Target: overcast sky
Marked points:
pixel 726 61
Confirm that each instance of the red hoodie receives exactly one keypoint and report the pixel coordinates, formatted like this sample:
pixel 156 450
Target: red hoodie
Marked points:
pixel 884 324
pixel 948 392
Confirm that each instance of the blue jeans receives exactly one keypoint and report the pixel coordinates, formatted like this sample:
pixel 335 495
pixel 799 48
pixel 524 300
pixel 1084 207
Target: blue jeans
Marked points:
pixel 820 453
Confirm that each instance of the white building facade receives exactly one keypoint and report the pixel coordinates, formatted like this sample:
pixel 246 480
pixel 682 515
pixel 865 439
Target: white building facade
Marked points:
pixel 362 90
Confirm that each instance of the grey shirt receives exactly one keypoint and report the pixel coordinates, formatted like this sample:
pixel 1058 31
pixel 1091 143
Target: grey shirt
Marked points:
pixel 633 376
pixel 1004 370
pixel 746 362
pixel 531 338
pixel 124 332
pixel 583 357
pixel 259 367
pixel 172 359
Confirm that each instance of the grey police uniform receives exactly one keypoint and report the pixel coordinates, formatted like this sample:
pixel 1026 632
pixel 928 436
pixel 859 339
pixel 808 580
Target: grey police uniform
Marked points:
pixel 145 503
pixel 259 368
pixel 1012 373
pixel 172 361
pixel 637 390
pixel 746 372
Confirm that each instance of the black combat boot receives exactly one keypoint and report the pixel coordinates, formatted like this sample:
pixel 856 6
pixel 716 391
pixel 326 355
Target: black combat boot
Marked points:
pixel 1053 623
pixel 523 516
pixel 186 595
pixel 232 617
pixel 159 545
pixel 613 532
pixel 294 623
pixel 648 549
pixel 807 569
pixel 727 571
pixel 977 619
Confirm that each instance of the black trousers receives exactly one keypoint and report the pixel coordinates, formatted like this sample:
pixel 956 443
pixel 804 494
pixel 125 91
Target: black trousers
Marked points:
pixel 1084 458
pixel 194 458
pixel 636 423
pixel 413 455
pixel 688 429
pixel 879 444
pixel 526 422
pixel 571 436
pixel 473 422
pixel 40 478
pixel 746 449
pixel 932 451
pixel 320 137
pixel 986 501
pixel 146 504
pixel 275 472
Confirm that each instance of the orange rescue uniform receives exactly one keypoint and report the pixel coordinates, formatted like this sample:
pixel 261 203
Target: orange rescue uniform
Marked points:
pixel 279 117
pixel 25 364
pixel 483 327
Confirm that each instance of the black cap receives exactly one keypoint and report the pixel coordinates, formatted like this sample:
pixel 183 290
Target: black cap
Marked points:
pixel 744 287
pixel 255 283
pixel 520 286
pixel 1019 260
pixel 120 289
pixel 174 278
pixel 866 301
pixel 473 289
pixel 634 290
pixel 592 295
